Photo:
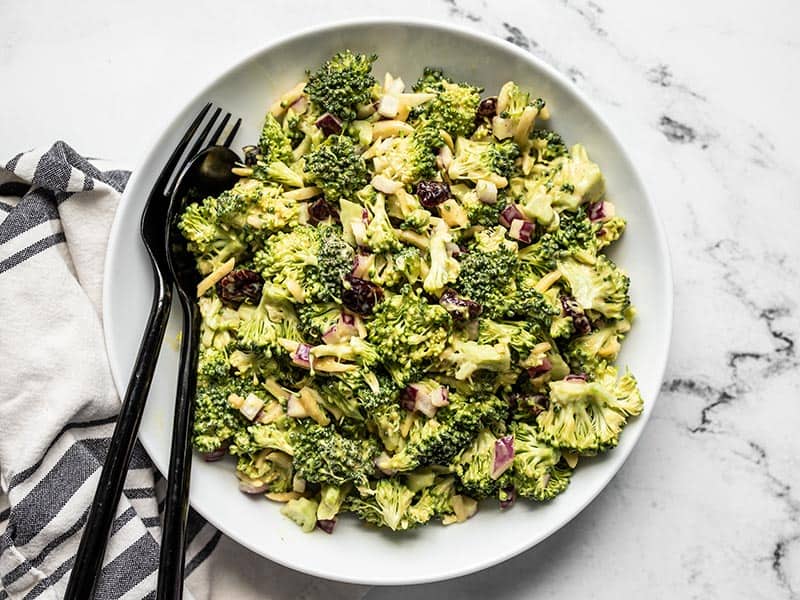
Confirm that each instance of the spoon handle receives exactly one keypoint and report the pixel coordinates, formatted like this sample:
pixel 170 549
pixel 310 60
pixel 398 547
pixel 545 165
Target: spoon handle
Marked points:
pixel 176 511
pixel 89 557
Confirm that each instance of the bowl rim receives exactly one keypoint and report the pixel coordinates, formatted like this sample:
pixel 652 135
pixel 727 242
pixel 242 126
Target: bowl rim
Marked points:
pixel 550 71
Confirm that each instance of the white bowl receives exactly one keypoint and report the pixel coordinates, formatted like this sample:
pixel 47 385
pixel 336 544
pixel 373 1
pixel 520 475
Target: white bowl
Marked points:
pixel 356 553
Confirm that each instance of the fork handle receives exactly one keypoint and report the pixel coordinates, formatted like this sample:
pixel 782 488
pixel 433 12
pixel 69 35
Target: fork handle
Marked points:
pixel 89 559
pixel 176 510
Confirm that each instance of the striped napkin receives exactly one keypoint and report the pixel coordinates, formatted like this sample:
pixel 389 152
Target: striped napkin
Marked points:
pixel 58 406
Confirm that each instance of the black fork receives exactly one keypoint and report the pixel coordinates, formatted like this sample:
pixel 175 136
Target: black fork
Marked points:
pixel 89 558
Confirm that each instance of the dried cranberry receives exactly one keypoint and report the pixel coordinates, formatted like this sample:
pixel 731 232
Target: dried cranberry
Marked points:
pixel 319 211
pixel 360 295
pixel 329 124
pixel 488 107
pixel 460 308
pixel 241 285
pixel 574 310
pixel 432 193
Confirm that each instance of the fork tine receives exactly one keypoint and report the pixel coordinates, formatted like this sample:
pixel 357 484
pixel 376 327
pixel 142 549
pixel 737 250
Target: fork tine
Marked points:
pixel 198 144
pixel 229 140
pixel 218 133
pixel 169 168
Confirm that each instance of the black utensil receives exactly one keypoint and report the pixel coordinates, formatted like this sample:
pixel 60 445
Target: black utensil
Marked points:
pixel 89 557
pixel 207 174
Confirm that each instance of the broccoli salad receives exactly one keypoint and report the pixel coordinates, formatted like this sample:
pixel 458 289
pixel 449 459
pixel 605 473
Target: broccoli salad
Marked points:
pixel 406 307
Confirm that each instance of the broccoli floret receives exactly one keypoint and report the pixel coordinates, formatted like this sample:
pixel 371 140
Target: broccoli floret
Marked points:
pixel 370 389
pixel 387 422
pixel 474 466
pixel 212 241
pixel 588 416
pixel 438 440
pixel 574 180
pixel 548 145
pixel 488 274
pixel 478 212
pixel 408 332
pixel 274 144
pixel 219 323
pixel 453 109
pixel 317 318
pixel 274 436
pixel 303 512
pixel 520 336
pixel 280 173
pixel 537 471
pixel 379 234
pixel 434 501
pixel 258 208
pixel 588 353
pixel 444 268
pixel 610 231
pixel 323 456
pixel 213 365
pixel 261 326
pixel 342 83
pixel 574 238
pixel 267 468
pixel 334 261
pixel 215 420
pixel 513 100
pixel 469 356
pixel 408 158
pixel 336 167
pixel 331 498
pixel 490 161
pixel 387 505
pixel 601 287
pixel 289 262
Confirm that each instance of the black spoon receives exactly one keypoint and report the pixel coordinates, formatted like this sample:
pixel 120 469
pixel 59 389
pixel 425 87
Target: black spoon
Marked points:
pixel 207 174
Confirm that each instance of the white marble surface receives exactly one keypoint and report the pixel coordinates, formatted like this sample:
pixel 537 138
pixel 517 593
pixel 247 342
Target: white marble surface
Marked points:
pixel 703 94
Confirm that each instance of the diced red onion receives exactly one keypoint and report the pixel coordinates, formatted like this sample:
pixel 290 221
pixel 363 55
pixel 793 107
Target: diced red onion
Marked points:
pixel 329 124
pixel 346 326
pixel 597 211
pixel 332 336
pixel 409 398
pixel 248 488
pixel 503 455
pixel 521 230
pixel 540 369
pixel 362 265
pixel 511 497
pixel 326 525
pixel 424 405
pixel 300 105
pixel 575 377
pixel 302 356
pixel 440 397
pixel 509 213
